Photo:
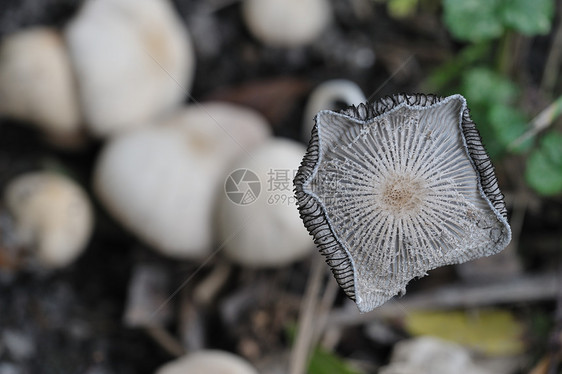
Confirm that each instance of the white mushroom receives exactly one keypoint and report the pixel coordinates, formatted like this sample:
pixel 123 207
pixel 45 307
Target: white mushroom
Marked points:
pixel 161 182
pixel 258 221
pixel 36 82
pixel 286 23
pixel 394 188
pixel 52 214
pixel 326 96
pixel 431 355
pixel 134 61
pixel 208 362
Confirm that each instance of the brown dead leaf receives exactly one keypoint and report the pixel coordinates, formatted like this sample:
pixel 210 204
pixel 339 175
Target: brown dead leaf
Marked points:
pixel 273 98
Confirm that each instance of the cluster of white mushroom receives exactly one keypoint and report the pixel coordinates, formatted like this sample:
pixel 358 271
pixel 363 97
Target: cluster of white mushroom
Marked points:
pixel 108 71
pixel 166 182
pixel 119 70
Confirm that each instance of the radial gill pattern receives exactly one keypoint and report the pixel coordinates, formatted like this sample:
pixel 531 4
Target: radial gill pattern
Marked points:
pixel 395 188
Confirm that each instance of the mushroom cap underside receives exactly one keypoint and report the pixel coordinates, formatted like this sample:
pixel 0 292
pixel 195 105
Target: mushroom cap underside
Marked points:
pixel 392 189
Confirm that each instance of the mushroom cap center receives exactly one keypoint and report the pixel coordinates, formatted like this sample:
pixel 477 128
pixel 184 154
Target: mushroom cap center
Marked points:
pixel 402 194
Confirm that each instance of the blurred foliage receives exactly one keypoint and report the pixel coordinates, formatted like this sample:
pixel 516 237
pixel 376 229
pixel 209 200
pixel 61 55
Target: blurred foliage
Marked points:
pixel 477 20
pixel 544 166
pixel 324 362
pixel 494 332
pixel 479 73
pixel 492 97
pixel 473 20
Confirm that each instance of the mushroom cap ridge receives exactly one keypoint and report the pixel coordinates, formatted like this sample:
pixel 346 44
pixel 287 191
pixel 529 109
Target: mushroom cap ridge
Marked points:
pixel 430 217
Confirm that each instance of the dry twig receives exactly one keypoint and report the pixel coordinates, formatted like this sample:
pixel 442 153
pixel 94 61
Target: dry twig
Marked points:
pixel 539 123
pixel 303 343
pixel 168 342
pixel 552 66
pixel 525 289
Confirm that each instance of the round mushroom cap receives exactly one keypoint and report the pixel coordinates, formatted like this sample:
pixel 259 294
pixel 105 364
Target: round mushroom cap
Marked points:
pixel 134 61
pixel 286 23
pixel 327 95
pixel 161 182
pixel 427 354
pixel 395 188
pixel 258 221
pixel 52 215
pixel 208 362
pixel 36 82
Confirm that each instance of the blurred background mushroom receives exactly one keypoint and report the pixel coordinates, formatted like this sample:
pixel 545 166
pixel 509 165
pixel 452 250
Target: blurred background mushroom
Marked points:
pixel 260 226
pixel 431 355
pixel 290 23
pixel 208 362
pixel 37 83
pixel 133 61
pixel 161 181
pixel 333 95
pixel 53 218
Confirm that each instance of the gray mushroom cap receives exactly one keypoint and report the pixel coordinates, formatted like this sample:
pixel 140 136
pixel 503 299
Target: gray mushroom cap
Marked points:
pixel 395 188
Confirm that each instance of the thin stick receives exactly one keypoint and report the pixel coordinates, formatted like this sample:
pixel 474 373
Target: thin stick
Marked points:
pixel 326 336
pixel 517 218
pixel 540 122
pixel 302 347
pixel 527 288
pixel 330 293
pixel 168 342
pixel 555 354
pixel 552 66
pixel 207 289
pixel 402 65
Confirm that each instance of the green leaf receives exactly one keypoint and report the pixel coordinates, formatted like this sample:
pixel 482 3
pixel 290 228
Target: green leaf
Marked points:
pixel 445 74
pixel 477 20
pixel 324 362
pixel 484 86
pixel 508 124
pixel 473 20
pixel 544 166
pixel 490 97
pixel 528 17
